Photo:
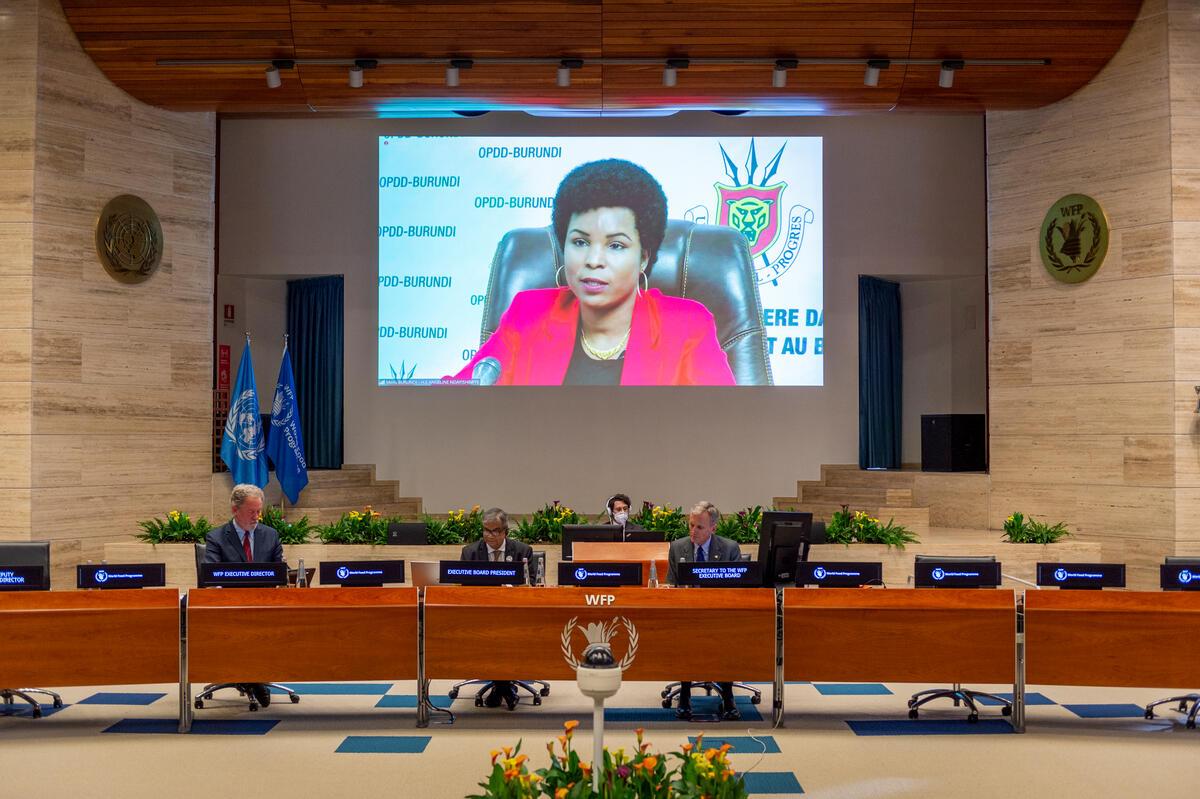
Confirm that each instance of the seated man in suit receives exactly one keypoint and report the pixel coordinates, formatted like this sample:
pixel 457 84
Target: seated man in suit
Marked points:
pixel 243 539
pixel 703 546
pixel 497 546
pixel 618 513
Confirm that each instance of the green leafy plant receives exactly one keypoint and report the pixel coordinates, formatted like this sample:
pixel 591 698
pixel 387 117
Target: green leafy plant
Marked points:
pixel 690 773
pixel 742 526
pixel 848 527
pixel 467 525
pixel 439 532
pixel 672 522
pixel 177 528
pixel 1021 530
pixel 296 532
pixel 356 527
pixel 545 526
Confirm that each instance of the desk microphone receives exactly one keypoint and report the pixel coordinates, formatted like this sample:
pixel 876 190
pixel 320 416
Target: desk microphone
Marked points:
pixel 487 371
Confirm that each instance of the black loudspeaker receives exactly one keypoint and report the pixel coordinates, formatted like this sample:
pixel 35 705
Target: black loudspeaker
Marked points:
pixel 953 442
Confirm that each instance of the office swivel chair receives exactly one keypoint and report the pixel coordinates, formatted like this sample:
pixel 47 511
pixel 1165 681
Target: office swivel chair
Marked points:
pixel 241 688
pixel 960 695
pixel 489 688
pixel 707 263
pixel 1183 700
pixel 28 553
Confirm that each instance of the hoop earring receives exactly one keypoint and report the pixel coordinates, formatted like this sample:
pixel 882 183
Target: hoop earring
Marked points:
pixel 641 275
pixel 556 271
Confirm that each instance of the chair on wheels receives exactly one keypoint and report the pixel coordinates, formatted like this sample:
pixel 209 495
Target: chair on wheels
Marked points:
pixel 960 695
pixel 28 553
pixel 242 688
pixel 670 694
pixel 1183 700
pixel 707 263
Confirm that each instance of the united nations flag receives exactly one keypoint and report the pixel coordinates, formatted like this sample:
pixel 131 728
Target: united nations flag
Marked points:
pixel 242 444
pixel 284 443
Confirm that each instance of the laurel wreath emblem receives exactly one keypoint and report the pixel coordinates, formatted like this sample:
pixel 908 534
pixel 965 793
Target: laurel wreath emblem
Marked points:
pixel 1052 253
pixel 631 634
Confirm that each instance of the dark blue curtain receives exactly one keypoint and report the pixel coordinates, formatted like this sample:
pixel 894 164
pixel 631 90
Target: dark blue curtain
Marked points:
pixel 314 323
pixel 879 373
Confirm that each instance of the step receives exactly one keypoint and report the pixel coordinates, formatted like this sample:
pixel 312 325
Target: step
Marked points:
pixel 915 519
pixel 408 507
pixel 856 496
pixel 373 494
pixel 332 478
pixel 852 476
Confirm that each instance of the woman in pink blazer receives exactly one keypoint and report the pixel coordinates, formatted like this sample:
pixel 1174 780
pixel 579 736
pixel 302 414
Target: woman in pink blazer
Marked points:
pixel 599 327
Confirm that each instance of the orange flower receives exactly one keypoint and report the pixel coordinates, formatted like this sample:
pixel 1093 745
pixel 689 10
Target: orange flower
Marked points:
pixel 534 778
pixel 725 747
pixel 726 774
pixel 639 732
pixel 495 754
pixel 562 739
pixel 686 748
pixel 512 772
pixel 650 762
pixel 710 754
pixel 570 726
pixel 519 759
pixel 561 793
pixel 586 768
pixel 507 751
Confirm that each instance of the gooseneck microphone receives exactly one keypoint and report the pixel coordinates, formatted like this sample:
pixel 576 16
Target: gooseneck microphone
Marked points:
pixel 487 371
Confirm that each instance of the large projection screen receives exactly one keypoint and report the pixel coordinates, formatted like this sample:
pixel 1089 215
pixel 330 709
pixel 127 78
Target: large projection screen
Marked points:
pixel 471 289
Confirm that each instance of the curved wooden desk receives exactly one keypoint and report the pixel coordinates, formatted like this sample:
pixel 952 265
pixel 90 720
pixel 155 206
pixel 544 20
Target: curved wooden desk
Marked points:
pixel 646 552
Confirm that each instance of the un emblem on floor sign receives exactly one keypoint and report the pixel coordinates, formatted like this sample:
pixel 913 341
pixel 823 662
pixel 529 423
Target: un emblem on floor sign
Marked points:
pixel 1074 238
pixel 600 633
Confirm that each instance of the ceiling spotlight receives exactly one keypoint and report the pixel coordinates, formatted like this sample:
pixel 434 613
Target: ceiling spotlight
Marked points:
pixel 779 74
pixel 874 65
pixel 946 73
pixel 455 65
pixel 356 77
pixel 671 72
pixel 564 70
pixel 273 79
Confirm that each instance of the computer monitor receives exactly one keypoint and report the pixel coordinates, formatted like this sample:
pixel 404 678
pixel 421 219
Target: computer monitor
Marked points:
pixel 783 540
pixel 588 532
pixel 407 533
pixel 1180 574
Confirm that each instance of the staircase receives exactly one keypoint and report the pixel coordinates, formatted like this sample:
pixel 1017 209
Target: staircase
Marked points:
pixel 884 495
pixel 332 493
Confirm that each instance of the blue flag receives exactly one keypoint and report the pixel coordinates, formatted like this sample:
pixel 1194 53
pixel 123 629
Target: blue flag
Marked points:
pixel 242 444
pixel 284 443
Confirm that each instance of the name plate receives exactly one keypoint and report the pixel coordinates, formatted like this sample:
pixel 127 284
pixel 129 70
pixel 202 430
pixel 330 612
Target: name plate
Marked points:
pixel 481 572
pixel 1081 575
pixel 361 572
pixel 1180 576
pixel 737 574
pixel 957 574
pixel 839 574
pixel 23 578
pixel 243 575
pixel 600 575
pixel 121 575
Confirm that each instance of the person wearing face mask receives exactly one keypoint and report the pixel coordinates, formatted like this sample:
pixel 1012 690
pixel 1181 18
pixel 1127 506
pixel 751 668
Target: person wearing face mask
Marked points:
pixel 618 513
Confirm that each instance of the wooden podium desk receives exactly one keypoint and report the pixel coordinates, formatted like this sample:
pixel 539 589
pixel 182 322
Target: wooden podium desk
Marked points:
pixel 282 635
pixel 89 637
pixel 625 552
pixel 1125 639
pixel 925 635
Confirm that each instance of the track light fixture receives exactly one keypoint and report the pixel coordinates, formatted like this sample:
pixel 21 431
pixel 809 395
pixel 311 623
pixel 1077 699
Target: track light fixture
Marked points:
pixel 671 72
pixel 455 65
pixel 274 81
pixel 946 73
pixel 564 70
pixel 779 74
pixel 874 65
pixel 356 71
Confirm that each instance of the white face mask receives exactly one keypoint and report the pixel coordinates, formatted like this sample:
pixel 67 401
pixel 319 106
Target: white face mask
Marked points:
pixel 620 517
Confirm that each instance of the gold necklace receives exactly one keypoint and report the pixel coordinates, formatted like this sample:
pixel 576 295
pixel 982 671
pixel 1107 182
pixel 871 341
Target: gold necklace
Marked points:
pixel 604 355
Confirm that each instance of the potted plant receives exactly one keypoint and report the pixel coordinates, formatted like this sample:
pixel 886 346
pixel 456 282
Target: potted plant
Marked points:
pixel 1021 530
pixel 545 525
pixel 858 527
pixel 290 533
pixel 743 526
pixel 671 522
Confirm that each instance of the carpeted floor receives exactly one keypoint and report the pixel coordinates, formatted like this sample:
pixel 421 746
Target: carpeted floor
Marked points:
pixel 845 741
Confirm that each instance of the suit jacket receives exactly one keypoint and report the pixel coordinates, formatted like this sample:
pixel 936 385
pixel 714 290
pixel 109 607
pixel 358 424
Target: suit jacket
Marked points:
pixel 719 549
pixel 513 550
pixel 672 342
pixel 223 545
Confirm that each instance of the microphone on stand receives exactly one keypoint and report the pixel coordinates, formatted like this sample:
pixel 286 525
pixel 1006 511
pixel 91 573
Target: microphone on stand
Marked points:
pixel 487 371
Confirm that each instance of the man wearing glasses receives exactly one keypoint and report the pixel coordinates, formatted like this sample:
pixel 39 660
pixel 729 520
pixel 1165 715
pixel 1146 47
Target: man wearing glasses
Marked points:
pixel 496 546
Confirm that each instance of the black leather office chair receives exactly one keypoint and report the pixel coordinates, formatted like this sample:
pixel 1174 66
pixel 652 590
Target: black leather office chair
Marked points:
pixel 241 688
pixel 1182 701
pixel 960 695
pixel 707 263
pixel 28 553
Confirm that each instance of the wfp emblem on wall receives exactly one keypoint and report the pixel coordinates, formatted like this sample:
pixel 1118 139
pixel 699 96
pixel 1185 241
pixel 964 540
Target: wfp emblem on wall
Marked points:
pixel 754 208
pixel 602 632
pixel 129 239
pixel 1074 238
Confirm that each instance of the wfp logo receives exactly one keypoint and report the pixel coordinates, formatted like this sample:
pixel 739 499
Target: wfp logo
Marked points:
pixel 754 208
pixel 819 573
pixel 101 576
pixel 1060 574
pixel 1185 576
pixel 343 572
pixel 939 573
pixel 581 573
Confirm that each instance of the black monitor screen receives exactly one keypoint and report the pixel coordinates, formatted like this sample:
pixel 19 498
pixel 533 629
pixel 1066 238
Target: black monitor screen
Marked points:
pixel 23 578
pixel 1180 576
pixel 835 574
pixel 243 575
pixel 732 574
pixel 1081 575
pixel 121 575
pixel 783 540
pixel 603 575
pixel 956 574
pixel 407 533
pixel 588 532
pixel 361 572
pixel 482 572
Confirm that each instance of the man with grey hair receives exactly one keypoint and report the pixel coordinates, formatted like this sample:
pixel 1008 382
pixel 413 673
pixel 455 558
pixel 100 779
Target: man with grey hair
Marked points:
pixel 243 539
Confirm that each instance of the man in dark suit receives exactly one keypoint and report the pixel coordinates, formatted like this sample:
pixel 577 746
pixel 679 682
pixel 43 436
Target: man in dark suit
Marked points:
pixel 243 539
pixel 703 546
pixel 496 546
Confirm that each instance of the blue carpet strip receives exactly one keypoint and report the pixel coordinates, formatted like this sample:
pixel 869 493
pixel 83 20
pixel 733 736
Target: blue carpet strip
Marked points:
pixel 337 688
pixel 701 705
pixel 852 689
pixel 768 782
pixel 21 710
pixel 199 726
pixel 410 700
pixel 1107 711
pixel 931 727
pixel 385 744
pixel 1030 699
pixel 105 698
pixel 742 744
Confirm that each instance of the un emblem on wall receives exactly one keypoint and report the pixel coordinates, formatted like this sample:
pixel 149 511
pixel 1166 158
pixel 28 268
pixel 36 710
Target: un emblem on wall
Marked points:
pixel 129 239
pixel 1074 238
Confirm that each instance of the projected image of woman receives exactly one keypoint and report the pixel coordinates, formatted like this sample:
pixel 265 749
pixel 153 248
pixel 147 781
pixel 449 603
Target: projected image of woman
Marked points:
pixel 603 325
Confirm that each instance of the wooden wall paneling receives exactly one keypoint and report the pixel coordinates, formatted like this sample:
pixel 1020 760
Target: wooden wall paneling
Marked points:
pixel 1111 460
pixel 1059 309
pixel 1119 357
pixel 65 461
pixel 111 512
pixel 1106 409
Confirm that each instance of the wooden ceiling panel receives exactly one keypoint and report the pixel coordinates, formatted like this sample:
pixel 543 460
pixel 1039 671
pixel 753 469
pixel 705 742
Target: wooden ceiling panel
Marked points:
pixel 127 38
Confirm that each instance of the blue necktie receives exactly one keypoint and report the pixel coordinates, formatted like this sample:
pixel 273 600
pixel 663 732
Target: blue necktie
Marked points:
pixel 699 554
